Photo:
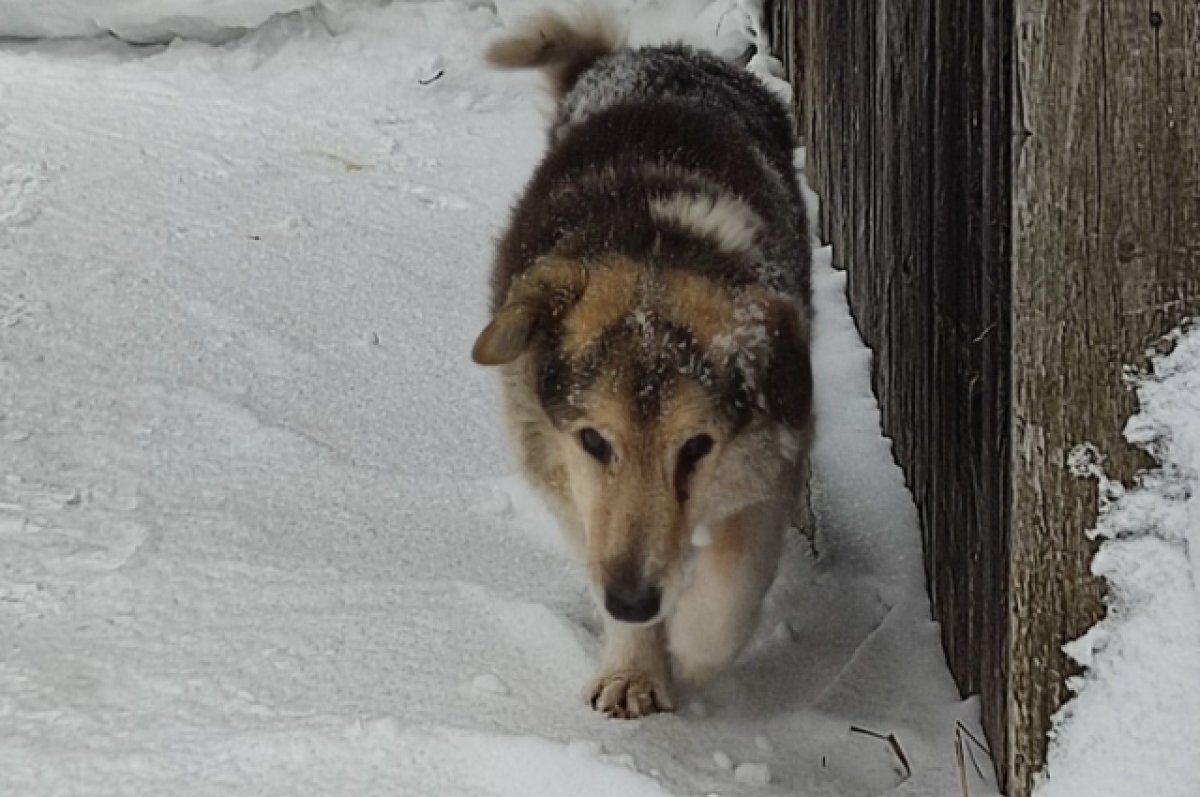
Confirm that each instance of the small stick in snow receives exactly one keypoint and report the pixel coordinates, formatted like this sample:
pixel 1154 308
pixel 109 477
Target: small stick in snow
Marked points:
pixel 891 740
pixel 961 730
pixel 963 785
pixel 975 763
pixel 436 76
pixel 720 22
pixel 867 732
pixel 973 738
pixel 340 160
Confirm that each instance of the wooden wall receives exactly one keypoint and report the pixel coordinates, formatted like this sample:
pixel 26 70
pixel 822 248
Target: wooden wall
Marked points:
pixel 908 146
pixel 1014 187
pixel 1106 259
pixel 788 26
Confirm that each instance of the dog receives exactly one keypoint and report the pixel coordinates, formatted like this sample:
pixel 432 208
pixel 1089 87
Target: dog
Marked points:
pixel 651 313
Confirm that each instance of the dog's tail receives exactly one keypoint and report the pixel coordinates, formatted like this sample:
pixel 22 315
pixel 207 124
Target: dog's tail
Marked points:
pixel 562 47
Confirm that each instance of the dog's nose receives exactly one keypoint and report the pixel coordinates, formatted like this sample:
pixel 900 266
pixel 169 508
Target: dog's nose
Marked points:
pixel 632 603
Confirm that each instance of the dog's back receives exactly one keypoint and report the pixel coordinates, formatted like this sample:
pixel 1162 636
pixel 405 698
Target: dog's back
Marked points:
pixel 663 151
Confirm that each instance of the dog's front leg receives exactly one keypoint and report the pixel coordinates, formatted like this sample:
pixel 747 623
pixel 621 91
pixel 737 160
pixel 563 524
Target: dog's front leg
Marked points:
pixel 635 675
pixel 719 611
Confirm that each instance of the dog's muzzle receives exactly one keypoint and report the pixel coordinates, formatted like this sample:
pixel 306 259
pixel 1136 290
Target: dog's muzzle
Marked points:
pixel 632 603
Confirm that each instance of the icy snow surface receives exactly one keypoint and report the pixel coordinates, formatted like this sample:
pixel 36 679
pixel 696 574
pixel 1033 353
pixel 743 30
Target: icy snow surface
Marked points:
pixel 1133 729
pixel 258 530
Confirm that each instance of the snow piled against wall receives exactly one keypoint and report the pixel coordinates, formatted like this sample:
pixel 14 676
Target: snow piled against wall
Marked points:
pixel 139 20
pixel 1133 727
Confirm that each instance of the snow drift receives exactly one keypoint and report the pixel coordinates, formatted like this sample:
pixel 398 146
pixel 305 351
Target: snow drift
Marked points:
pixel 140 20
pixel 1133 727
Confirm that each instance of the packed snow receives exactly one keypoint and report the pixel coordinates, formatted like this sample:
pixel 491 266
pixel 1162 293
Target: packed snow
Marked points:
pixel 259 533
pixel 1133 727
pixel 141 20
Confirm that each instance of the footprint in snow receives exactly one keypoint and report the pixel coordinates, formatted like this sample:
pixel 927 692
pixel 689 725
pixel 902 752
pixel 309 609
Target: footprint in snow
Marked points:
pixel 17 309
pixel 488 684
pixel 18 184
pixel 752 774
pixel 286 227
pixel 427 197
pixel 69 530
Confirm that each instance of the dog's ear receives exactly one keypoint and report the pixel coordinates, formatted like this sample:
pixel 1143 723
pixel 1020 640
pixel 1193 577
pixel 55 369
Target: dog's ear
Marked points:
pixel 542 293
pixel 787 383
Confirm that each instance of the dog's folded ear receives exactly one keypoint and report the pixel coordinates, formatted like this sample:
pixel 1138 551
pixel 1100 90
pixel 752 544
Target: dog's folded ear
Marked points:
pixel 788 384
pixel 537 297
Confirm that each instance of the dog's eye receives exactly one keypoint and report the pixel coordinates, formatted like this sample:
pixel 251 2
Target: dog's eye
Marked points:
pixel 695 448
pixel 690 453
pixel 594 443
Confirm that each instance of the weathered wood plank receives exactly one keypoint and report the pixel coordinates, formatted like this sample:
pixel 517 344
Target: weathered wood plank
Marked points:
pixel 909 148
pixel 789 36
pixel 964 452
pixel 1106 259
pixel 830 32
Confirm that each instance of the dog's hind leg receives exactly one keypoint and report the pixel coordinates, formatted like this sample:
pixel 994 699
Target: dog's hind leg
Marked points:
pixel 635 676
pixel 719 610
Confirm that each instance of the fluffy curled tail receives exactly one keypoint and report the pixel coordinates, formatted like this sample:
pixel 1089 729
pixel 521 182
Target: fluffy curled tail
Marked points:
pixel 562 47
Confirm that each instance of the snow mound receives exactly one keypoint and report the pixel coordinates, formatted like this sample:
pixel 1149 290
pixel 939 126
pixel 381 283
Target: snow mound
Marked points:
pixel 1133 727
pixel 725 26
pixel 140 20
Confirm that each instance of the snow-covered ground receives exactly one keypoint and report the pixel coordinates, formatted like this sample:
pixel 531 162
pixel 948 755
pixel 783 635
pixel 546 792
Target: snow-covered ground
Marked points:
pixel 144 20
pixel 1133 727
pixel 259 534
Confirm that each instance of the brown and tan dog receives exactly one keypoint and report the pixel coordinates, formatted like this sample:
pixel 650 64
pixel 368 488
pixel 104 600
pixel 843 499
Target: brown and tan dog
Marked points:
pixel 651 321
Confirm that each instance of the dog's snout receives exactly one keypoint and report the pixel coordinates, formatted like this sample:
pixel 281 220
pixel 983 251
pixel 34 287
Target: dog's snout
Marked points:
pixel 632 601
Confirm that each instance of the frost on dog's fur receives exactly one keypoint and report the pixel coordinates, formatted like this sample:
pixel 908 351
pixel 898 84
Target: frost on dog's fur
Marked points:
pixel 650 313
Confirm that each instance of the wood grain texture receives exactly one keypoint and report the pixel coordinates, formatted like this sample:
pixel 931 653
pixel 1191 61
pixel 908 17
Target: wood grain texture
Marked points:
pixel 909 147
pixel 789 40
pixel 1106 260
pixel 1014 186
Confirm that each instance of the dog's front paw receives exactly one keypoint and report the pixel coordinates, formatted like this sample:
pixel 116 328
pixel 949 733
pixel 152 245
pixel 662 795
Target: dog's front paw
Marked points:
pixel 629 694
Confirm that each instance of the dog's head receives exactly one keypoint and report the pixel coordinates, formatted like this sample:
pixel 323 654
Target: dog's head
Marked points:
pixel 673 402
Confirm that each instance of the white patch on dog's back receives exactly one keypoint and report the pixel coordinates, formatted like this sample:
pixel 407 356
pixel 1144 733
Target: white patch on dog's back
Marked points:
pixel 723 219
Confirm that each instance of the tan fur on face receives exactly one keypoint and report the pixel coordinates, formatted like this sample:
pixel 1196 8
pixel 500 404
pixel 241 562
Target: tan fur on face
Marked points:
pixel 618 286
pixel 627 514
pixel 630 508
pixel 705 306
pixel 612 293
pixel 711 310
